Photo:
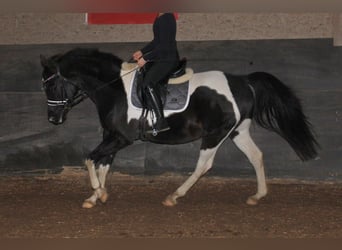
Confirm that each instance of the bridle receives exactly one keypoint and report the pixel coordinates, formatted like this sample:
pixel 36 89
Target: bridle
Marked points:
pixel 81 95
pixel 66 103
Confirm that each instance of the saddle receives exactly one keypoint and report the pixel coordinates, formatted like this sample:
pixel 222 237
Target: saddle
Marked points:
pixel 180 70
pixel 174 93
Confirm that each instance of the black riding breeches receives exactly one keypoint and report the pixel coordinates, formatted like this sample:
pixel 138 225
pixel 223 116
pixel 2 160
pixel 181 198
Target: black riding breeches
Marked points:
pixel 157 73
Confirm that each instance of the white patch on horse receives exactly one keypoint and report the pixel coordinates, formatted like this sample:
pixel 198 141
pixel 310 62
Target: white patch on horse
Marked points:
pixel 215 80
pixel 102 173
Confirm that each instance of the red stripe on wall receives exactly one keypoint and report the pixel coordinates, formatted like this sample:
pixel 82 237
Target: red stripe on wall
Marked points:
pixel 121 18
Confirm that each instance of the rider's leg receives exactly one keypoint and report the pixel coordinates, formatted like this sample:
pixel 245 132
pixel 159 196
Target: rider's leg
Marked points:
pixel 157 74
pixel 157 106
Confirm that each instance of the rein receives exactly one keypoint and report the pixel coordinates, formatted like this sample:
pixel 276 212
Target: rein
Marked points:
pixel 116 79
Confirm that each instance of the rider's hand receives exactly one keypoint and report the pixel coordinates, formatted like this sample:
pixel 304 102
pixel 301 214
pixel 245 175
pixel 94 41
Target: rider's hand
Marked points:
pixel 137 55
pixel 141 62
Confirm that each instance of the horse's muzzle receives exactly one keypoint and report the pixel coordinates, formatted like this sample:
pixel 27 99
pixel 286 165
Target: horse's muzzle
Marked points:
pixel 56 121
pixel 56 115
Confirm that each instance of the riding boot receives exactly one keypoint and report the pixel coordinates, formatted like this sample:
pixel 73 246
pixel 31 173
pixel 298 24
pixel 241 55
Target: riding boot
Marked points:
pixel 157 106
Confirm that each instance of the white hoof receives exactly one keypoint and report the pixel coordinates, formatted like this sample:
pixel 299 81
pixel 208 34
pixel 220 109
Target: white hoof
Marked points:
pixel 104 197
pixel 88 204
pixel 169 201
pixel 252 201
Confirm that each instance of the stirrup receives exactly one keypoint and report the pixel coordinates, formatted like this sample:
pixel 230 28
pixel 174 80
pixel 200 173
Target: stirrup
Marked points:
pixel 155 132
pixel 160 125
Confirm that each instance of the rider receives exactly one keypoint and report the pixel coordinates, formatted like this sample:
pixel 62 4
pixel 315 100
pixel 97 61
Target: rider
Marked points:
pixel 162 57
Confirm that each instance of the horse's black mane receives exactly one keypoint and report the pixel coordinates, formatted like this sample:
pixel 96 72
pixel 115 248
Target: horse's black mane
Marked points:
pixel 90 53
pixel 89 60
pixel 83 52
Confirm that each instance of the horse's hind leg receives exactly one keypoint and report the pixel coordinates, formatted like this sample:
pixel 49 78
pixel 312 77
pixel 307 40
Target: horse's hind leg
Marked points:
pixel 204 163
pixel 245 143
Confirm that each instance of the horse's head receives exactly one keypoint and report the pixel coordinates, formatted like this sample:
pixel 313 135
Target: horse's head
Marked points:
pixel 62 94
pixel 66 76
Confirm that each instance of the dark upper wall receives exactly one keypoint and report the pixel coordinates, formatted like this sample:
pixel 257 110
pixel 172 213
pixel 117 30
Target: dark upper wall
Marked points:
pixel 29 143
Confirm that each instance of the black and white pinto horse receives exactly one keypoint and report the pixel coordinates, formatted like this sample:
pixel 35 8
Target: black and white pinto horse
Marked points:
pixel 221 105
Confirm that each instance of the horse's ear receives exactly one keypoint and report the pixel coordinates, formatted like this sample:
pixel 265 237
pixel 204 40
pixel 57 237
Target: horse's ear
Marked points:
pixel 44 61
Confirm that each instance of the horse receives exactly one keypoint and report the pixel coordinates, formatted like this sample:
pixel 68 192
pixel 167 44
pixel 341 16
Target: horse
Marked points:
pixel 220 106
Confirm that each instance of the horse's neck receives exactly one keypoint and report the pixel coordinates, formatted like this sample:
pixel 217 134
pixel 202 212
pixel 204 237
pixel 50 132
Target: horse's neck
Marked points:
pixel 98 90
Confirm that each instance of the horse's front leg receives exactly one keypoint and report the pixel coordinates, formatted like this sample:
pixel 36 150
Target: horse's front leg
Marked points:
pixel 102 157
pixel 97 180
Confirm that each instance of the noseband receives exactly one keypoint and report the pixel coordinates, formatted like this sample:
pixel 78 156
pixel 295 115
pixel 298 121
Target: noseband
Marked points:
pixel 66 103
